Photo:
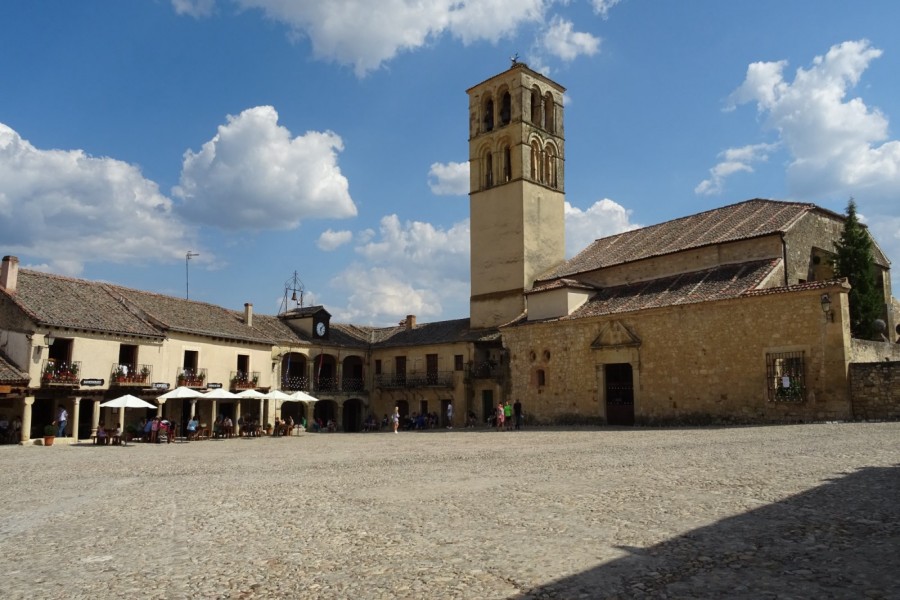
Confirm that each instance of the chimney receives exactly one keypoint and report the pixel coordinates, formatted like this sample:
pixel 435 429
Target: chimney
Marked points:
pixel 9 273
pixel 410 322
pixel 248 314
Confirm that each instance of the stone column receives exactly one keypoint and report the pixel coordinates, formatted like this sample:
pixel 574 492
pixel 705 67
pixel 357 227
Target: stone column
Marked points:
pixel 213 414
pixel 262 423
pixel 27 402
pixel 122 419
pixel 193 407
pixel 76 406
pixel 159 408
pixel 95 417
pixel 339 416
pixel 237 417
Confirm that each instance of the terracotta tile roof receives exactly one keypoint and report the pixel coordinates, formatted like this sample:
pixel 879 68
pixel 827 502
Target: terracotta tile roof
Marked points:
pixel 719 283
pixel 808 285
pixel 745 220
pixel 190 316
pixel 10 374
pixel 58 301
pixel 559 284
pixel 439 332
pixel 275 329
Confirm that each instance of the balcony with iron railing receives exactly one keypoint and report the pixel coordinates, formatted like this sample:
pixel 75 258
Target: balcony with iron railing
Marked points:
pixel 129 375
pixel 353 384
pixel 55 373
pixel 193 378
pixel 325 384
pixel 244 380
pixel 415 380
pixel 295 384
pixel 488 369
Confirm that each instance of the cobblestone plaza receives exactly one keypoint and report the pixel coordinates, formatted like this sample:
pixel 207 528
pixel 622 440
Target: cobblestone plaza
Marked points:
pixel 795 511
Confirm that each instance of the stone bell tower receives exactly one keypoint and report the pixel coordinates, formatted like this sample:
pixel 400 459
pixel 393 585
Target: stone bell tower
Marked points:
pixel 516 191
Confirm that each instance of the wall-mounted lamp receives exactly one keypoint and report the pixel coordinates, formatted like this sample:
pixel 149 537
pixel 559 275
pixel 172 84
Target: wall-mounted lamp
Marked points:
pixel 49 339
pixel 826 307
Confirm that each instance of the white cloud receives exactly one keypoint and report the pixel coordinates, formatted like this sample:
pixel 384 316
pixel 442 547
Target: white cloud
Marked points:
pixel 68 208
pixel 839 146
pixel 602 7
pixel 331 240
pixel 254 175
pixel 368 34
pixel 605 217
pixel 449 179
pixel 407 268
pixel 561 41
pixel 194 8
pixel 735 160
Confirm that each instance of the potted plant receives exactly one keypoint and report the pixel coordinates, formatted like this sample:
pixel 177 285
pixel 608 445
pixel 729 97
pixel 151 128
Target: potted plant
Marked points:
pixel 49 435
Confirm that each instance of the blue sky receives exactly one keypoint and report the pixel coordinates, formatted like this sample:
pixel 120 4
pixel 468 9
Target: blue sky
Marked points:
pixel 329 138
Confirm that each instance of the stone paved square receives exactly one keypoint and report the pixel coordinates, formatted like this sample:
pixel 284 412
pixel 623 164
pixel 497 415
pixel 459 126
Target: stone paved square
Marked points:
pixel 798 511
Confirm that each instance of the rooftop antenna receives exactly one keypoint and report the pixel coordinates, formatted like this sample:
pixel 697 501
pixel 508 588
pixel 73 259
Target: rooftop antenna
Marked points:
pixel 293 294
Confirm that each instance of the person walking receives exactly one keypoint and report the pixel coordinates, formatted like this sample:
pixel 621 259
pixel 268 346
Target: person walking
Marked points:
pixel 449 415
pixel 396 418
pixel 62 418
pixel 500 415
pixel 517 411
pixel 507 415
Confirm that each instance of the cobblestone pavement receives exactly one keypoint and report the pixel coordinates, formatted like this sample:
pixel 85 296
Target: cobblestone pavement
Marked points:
pixel 805 511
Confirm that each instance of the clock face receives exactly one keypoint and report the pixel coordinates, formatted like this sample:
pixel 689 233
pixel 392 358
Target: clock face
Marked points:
pixel 320 328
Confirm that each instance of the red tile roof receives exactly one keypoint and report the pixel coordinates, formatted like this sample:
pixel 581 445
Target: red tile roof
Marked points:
pixel 719 283
pixel 745 220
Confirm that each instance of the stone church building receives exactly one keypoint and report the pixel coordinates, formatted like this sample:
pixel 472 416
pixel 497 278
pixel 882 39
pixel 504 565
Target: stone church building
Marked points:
pixel 732 314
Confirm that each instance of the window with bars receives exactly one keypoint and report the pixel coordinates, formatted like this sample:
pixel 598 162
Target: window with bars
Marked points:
pixel 786 376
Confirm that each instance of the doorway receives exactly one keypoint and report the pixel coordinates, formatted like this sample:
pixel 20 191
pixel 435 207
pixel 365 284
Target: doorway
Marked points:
pixel 619 394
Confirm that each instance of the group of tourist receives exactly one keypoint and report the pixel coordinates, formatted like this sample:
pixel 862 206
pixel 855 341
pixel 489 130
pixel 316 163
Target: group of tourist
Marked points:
pixel 156 430
pixel 507 417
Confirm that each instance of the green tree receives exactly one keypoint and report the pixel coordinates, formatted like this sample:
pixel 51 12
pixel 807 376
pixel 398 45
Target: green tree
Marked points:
pixel 855 262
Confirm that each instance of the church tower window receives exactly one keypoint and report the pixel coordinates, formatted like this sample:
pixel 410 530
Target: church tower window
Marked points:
pixel 489 115
pixel 549 121
pixel 505 108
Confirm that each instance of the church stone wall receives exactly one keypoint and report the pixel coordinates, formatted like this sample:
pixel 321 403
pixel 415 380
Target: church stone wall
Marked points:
pixel 705 361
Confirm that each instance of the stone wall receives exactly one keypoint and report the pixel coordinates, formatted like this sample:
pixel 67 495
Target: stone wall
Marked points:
pixel 867 351
pixel 702 362
pixel 875 390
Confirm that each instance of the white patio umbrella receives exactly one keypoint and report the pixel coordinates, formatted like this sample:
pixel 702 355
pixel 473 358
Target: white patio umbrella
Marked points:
pixel 219 394
pixel 126 401
pixel 181 392
pixel 277 395
pixel 303 397
pixel 254 395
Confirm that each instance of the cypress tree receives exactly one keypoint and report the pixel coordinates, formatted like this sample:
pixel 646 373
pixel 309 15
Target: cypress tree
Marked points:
pixel 855 262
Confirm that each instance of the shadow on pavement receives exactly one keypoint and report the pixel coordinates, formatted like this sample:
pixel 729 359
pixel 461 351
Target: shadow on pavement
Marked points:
pixel 838 540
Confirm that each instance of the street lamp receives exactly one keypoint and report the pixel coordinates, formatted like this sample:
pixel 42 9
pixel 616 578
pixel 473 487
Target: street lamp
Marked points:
pixel 187 277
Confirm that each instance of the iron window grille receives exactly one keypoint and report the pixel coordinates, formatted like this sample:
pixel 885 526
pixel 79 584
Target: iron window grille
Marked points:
pixel 786 376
